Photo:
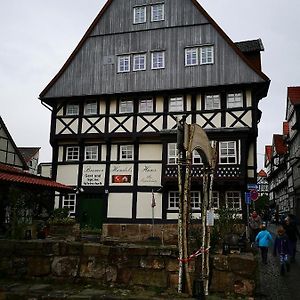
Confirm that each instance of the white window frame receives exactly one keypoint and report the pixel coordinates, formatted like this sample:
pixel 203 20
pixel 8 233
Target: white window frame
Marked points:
pixel 123 63
pixel 233 200
pixel 91 152
pixel 69 201
pixel 72 109
pixel 126 152
pixel 176 104
pixel 158 60
pixel 125 106
pixel 228 152
pixel 215 200
pixel 139 62
pixel 197 159
pixel 206 55
pixel 234 100
pixel 90 107
pixel 158 12
pixel 195 200
pixel 72 153
pixel 212 101
pixel 191 57
pixel 172 154
pixel 173 200
pixel 139 14
pixel 146 105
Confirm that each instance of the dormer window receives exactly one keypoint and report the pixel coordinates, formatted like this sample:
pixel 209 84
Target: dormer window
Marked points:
pixel 157 12
pixel 139 14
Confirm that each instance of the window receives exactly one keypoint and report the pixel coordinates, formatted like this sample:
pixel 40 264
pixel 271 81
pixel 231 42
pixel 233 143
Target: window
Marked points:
pixel 69 201
pixel 191 56
pixel 233 200
pixel 215 200
pixel 157 12
pixel 139 14
pixel 197 160
pixel 195 200
pixel 126 152
pixel 126 106
pixel 123 63
pixel 176 104
pixel 234 100
pixel 146 105
pixel 72 109
pixel 172 153
pixel 90 107
pixel 91 153
pixel 73 153
pixel 173 200
pixel 139 62
pixel 206 55
pixel 227 153
pixel 158 60
pixel 212 102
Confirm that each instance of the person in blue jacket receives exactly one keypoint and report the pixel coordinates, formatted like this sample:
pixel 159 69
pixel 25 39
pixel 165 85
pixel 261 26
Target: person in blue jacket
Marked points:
pixel 264 240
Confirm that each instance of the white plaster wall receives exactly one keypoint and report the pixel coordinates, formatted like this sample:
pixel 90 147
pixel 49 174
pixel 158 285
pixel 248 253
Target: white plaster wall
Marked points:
pixel 150 152
pixel 248 98
pixel 144 208
pixel 114 152
pixel 67 174
pixel 60 153
pixel 119 205
pixel 159 104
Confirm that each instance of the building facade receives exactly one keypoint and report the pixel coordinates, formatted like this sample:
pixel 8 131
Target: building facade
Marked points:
pixel 115 103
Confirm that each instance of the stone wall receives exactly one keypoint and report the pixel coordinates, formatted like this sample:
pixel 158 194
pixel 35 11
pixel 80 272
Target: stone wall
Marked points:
pixel 155 266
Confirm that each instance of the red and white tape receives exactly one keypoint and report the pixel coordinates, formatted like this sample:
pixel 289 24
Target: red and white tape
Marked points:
pixel 197 253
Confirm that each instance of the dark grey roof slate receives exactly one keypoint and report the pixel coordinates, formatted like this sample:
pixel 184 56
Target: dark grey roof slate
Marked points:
pixel 250 46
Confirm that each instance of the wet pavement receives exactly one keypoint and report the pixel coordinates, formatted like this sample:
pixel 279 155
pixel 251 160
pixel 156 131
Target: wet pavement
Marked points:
pixel 272 285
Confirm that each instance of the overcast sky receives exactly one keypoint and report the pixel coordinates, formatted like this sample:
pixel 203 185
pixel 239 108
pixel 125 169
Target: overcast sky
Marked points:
pixel 37 36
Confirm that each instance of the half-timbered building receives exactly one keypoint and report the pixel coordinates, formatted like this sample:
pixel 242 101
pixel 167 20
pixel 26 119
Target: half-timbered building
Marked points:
pixel 115 102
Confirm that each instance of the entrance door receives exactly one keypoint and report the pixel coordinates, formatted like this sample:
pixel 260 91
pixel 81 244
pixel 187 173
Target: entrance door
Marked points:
pixel 91 210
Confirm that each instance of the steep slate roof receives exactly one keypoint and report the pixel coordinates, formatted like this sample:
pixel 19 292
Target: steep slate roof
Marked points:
pixel 14 175
pixel 28 152
pixel 294 95
pixel 46 93
pixel 20 156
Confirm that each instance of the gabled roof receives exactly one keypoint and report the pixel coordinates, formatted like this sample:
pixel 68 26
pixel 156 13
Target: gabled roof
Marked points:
pixel 293 95
pixel 261 77
pixel 262 173
pixel 279 144
pixel 285 128
pixel 29 152
pixel 20 156
pixel 13 175
pixel 268 153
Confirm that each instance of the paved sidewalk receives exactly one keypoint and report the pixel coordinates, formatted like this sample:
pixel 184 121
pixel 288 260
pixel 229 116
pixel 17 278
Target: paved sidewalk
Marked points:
pixel 272 285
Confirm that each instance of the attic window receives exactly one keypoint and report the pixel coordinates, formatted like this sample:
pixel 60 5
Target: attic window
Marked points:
pixel 139 14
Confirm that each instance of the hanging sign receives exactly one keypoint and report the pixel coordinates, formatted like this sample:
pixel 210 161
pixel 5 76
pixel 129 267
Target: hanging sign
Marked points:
pixel 210 217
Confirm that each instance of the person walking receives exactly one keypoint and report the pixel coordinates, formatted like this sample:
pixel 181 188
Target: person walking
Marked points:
pixel 263 240
pixel 254 224
pixel 281 246
pixel 292 233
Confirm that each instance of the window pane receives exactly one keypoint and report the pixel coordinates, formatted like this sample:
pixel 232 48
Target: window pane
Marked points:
pixel 72 153
pixel 139 15
pixel 158 60
pixel 146 105
pixel 176 104
pixel 227 152
pixel 69 201
pixel 191 57
pixel 139 62
pixel 172 153
pixel 157 12
pixel 91 153
pixel 124 63
pixel 207 55
pixel 212 102
pixel 90 108
pixel 126 106
pixel 195 200
pixel 72 109
pixel 174 200
pixel 234 100
pixel 126 152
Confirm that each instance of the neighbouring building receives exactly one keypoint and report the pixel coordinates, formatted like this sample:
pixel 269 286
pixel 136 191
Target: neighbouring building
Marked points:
pixel 31 157
pixel 262 183
pixel 140 66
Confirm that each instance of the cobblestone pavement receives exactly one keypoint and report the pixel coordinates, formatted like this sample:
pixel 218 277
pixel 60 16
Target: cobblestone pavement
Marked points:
pixel 273 286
